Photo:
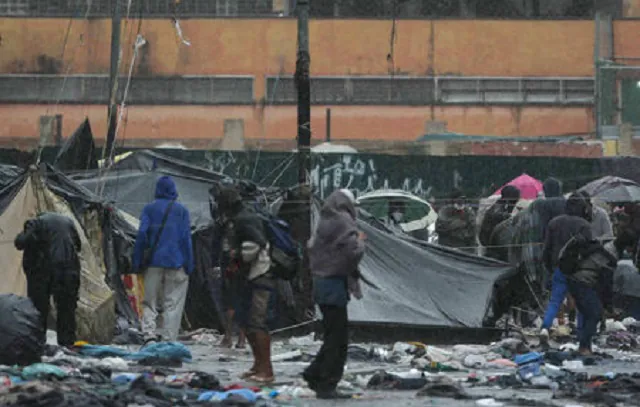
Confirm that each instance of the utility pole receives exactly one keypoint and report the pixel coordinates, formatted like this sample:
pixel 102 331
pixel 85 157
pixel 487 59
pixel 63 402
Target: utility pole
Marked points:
pixel 112 115
pixel 304 91
pixel 302 226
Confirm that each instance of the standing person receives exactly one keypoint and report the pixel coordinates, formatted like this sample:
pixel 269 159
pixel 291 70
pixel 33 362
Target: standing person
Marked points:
pixel 498 212
pixel 250 248
pixel 163 252
pixel 50 261
pixel 335 251
pixel 233 288
pixel 456 224
pixel 574 224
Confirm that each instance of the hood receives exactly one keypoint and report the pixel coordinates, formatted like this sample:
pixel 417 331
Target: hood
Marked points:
pixel 510 193
pixel 552 188
pixel 577 205
pixel 166 188
pixel 339 202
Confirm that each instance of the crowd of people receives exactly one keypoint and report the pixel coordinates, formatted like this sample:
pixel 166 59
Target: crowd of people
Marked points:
pixel 567 246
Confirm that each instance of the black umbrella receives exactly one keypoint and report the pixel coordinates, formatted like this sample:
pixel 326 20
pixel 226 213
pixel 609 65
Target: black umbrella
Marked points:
pixel 613 189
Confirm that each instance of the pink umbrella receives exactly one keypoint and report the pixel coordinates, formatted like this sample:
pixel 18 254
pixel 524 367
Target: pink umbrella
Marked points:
pixel 529 187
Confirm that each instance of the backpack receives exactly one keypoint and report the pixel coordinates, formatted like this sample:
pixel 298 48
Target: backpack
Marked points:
pixel 571 255
pixel 285 252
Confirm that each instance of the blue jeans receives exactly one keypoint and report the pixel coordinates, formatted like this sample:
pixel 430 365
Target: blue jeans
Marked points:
pixel 559 291
pixel 590 307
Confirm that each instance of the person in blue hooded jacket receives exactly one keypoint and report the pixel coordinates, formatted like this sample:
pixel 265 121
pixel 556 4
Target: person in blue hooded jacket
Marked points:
pixel 166 265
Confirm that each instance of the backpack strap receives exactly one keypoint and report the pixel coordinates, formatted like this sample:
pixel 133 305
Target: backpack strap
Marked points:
pixel 164 222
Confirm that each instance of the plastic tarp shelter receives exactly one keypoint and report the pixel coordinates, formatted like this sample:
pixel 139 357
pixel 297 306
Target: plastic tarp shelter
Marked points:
pixel 45 190
pixel 417 283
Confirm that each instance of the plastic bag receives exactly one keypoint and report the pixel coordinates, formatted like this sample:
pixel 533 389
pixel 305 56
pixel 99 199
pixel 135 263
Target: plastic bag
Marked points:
pixel 23 337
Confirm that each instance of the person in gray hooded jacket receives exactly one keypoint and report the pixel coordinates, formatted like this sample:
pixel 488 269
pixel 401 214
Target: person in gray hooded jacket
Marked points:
pixel 335 251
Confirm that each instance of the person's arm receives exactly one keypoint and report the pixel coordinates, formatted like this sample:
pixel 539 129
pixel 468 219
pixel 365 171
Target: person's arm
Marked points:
pixel 28 236
pixel 187 243
pixel 141 239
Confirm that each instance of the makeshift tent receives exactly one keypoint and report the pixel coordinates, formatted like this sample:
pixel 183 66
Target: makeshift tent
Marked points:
pixel 413 284
pixel 529 187
pixel 78 151
pixel 613 190
pixel 45 190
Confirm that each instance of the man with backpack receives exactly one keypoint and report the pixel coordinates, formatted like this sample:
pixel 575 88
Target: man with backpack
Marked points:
pixel 581 266
pixel 251 249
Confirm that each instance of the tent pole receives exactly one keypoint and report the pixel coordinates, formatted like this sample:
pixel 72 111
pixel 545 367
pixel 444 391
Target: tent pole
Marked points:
pixel 112 113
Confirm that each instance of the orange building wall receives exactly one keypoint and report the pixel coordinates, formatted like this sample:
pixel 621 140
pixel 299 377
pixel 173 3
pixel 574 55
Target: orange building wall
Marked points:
pixel 262 47
pixel 338 47
pixel 162 123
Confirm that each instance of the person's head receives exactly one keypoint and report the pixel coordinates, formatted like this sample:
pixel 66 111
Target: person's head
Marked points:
pixel 166 188
pixel 397 210
pixel 341 200
pixel 510 195
pixel 229 201
pixel 552 188
pixel 578 206
pixel 458 199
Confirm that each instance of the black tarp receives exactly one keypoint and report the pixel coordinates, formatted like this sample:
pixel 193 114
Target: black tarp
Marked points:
pixel 78 151
pixel 420 284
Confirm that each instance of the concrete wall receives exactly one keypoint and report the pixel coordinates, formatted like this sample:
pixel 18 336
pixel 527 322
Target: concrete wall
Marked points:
pixel 205 124
pixel 262 47
pixel 338 47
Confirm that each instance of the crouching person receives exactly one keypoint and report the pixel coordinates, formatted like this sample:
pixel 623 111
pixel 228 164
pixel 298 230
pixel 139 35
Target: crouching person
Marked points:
pixel 335 252
pixel 251 250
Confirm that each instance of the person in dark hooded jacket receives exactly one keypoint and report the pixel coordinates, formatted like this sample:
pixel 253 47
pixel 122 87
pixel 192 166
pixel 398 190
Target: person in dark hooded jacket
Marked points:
pixel 553 204
pixel 456 224
pixel 574 224
pixel 335 251
pixel 498 212
pixel 51 244
pixel 167 269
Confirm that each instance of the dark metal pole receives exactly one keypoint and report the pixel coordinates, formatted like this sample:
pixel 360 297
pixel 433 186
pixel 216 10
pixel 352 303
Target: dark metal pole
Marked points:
pixel 112 115
pixel 328 140
pixel 304 91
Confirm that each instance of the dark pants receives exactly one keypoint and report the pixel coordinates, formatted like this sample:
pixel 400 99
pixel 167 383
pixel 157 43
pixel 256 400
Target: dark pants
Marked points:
pixel 325 372
pixel 64 286
pixel 589 305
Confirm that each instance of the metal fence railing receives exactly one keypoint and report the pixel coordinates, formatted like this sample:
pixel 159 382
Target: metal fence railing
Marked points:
pixel 381 90
pixel 193 90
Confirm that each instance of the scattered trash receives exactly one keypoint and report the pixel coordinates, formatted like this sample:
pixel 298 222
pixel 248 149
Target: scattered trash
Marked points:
pixel 573 364
pixel 488 403
pixel 474 361
pixel 529 365
pixel 289 356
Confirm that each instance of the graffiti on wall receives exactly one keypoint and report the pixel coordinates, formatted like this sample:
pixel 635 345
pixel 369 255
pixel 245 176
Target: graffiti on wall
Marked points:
pixel 360 174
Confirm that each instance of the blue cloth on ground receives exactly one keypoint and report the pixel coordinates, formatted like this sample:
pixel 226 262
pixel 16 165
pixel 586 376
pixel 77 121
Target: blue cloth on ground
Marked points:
pixel 247 394
pixel 160 350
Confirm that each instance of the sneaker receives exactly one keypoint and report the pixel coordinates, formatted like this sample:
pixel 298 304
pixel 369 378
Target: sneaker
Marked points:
pixel 544 336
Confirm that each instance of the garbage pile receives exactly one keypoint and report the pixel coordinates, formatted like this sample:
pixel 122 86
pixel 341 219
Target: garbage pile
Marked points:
pixel 113 376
